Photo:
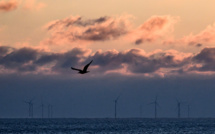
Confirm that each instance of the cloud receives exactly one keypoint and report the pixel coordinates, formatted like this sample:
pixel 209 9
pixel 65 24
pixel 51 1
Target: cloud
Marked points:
pixel 7 6
pixel 129 62
pixel 4 50
pixel 134 61
pixel 33 60
pixel 74 28
pixel 32 5
pixel 205 60
pixel 154 28
pixel 205 37
pixel 19 59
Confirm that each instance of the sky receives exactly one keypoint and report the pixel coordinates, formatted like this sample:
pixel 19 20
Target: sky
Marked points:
pixel 141 49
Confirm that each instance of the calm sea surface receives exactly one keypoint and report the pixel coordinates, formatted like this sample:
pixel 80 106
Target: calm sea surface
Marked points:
pixel 107 126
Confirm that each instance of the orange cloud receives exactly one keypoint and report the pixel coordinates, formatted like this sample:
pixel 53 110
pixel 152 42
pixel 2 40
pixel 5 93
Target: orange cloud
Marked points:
pixel 33 5
pixel 8 5
pixel 205 37
pixel 74 29
pixel 154 28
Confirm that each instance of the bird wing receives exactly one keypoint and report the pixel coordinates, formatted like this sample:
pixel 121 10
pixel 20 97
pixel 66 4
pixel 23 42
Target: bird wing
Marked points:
pixel 85 68
pixel 76 69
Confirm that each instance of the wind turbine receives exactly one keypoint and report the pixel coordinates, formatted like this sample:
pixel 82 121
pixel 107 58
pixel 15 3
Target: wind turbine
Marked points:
pixel 179 103
pixel 50 111
pixel 155 106
pixel 188 111
pixel 179 108
pixel 115 108
pixel 42 109
pixel 30 107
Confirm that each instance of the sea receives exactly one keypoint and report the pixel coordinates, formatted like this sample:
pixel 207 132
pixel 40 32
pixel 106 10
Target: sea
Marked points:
pixel 107 126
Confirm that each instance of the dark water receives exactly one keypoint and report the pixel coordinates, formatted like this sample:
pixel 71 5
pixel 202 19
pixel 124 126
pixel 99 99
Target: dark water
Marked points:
pixel 108 126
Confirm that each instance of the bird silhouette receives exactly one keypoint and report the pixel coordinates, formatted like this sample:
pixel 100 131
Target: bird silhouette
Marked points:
pixel 84 69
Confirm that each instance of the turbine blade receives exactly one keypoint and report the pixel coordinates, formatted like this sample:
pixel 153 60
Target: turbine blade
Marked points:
pixel 118 98
pixel 158 105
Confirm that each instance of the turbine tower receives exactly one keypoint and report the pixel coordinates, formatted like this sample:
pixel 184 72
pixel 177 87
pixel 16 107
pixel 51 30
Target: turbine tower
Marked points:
pixel 179 108
pixel 42 109
pixel 155 106
pixel 50 111
pixel 188 111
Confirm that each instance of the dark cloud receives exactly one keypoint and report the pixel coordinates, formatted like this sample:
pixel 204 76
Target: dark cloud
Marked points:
pixel 8 6
pixel 206 55
pixel 68 59
pixel 73 29
pixel 76 21
pixel 139 41
pixel 47 58
pixel 198 45
pixel 134 61
pixel 19 58
pixel 27 59
pixel 207 60
pixel 102 33
pixel 84 23
pixel 4 50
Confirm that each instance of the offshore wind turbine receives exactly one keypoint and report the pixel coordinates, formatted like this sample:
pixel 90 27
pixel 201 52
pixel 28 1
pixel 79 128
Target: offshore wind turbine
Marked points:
pixel 188 111
pixel 179 108
pixel 42 109
pixel 115 107
pixel 30 107
pixel 179 103
pixel 155 106
pixel 50 111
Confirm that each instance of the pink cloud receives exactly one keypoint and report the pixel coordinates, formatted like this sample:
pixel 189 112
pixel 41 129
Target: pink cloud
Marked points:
pixel 8 5
pixel 130 62
pixel 205 37
pixel 154 28
pixel 75 29
pixel 33 5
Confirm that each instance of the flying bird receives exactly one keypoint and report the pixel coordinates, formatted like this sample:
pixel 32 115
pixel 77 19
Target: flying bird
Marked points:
pixel 84 69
